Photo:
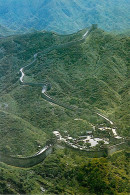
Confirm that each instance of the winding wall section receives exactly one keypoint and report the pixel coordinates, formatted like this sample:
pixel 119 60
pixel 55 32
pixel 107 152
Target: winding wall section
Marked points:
pixel 39 157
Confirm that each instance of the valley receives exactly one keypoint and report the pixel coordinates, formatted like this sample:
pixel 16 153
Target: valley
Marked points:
pixel 74 94
pixel 63 16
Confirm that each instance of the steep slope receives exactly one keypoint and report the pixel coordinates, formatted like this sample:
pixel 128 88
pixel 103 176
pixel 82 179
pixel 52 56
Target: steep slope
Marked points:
pixel 64 16
pixel 91 77
pixel 67 172
pixel 18 135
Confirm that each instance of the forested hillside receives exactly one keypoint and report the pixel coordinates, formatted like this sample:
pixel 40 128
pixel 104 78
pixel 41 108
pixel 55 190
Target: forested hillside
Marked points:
pixel 64 16
pixel 89 76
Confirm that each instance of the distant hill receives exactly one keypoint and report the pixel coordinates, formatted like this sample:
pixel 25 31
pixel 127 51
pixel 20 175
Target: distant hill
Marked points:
pixel 5 31
pixel 64 16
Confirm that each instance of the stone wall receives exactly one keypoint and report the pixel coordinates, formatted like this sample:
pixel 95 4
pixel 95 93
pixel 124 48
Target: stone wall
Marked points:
pixel 88 153
pixel 34 160
pixel 98 153
pixel 27 161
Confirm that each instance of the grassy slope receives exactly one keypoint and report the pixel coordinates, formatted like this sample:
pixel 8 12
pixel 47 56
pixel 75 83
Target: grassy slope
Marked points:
pixel 65 172
pixel 91 75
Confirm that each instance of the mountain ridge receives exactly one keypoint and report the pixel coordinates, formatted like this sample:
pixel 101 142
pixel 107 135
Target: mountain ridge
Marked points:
pixel 60 67
pixel 92 75
pixel 64 16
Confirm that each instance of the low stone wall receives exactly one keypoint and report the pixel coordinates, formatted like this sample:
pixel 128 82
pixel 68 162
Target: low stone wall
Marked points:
pixel 34 160
pixel 34 84
pixel 88 153
pixel 49 99
pixel 91 154
pixel 27 161
pixel 98 153
pixel 115 140
pixel 69 44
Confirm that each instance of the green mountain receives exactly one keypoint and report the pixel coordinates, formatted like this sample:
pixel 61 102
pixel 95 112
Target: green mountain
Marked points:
pixel 84 76
pixel 5 31
pixel 64 16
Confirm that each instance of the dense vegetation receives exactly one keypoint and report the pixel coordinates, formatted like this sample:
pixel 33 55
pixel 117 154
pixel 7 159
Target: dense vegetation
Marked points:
pixel 90 76
pixel 65 172
pixel 64 16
